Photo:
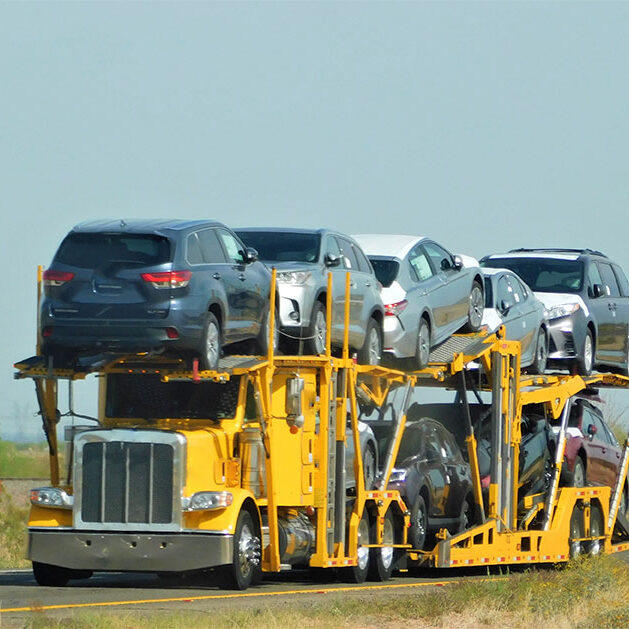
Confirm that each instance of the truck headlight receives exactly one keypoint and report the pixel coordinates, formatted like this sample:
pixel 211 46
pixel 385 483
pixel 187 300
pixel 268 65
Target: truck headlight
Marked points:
pixel 203 500
pixel 563 310
pixel 51 497
pixel 296 278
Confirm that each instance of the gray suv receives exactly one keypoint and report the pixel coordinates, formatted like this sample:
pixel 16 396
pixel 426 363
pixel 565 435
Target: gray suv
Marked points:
pixel 303 258
pixel 184 287
pixel 586 296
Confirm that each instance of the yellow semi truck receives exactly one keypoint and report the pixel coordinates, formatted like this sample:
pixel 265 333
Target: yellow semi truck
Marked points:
pixel 245 469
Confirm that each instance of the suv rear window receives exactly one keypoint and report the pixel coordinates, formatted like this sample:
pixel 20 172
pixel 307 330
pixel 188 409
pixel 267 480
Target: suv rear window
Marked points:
pixel 386 270
pixel 146 396
pixel 283 246
pixel 545 275
pixel 88 251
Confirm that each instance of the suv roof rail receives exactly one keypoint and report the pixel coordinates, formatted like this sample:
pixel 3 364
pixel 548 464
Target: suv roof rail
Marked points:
pixel 592 252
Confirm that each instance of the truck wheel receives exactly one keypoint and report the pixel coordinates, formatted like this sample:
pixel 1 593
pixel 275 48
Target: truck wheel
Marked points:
pixel 372 348
pixel 315 343
pixel 210 348
pixel 476 305
pixel 381 560
pixel 576 532
pixel 358 573
pixel 245 568
pixel 45 574
pixel 597 528
pixel 419 523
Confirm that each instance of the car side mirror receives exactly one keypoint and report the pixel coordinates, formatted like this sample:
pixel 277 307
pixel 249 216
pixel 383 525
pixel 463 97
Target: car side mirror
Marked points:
pixel 446 265
pixel 592 430
pixel 598 290
pixel 250 255
pixel 332 260
pixel 505 306
pixel 457 262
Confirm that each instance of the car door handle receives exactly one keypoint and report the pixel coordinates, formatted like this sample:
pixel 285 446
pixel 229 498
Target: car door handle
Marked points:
pixel 367 284
pixel 241 277
pixel 216 276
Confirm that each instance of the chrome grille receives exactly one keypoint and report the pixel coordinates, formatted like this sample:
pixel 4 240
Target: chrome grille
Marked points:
pixel 128 479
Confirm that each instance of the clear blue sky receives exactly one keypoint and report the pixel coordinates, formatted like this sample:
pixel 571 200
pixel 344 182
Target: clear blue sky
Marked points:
pixel 485 125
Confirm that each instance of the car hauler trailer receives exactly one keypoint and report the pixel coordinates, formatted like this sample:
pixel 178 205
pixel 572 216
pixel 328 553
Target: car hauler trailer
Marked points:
pixel 243 468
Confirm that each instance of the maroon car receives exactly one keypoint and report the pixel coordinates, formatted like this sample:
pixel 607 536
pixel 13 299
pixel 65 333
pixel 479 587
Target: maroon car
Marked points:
pixel 593 455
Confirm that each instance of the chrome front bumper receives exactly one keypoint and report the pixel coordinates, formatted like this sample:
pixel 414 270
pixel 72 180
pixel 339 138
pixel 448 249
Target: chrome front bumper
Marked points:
pixel 119 552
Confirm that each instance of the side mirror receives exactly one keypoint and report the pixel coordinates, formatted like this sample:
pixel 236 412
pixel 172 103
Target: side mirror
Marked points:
pixel 332 260
pixel 457 262
pixel 446 265
pixel 598 290
pixel 505 306
pixel 250 255
pixel 592 430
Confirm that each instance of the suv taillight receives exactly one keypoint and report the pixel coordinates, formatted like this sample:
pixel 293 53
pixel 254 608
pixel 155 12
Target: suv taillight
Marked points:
pixel 168 279
pixel 56 278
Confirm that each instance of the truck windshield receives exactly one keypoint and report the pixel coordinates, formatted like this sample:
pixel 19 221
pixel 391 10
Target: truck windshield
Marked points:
pixel 544 275
pixel 145 396
pixel 283 246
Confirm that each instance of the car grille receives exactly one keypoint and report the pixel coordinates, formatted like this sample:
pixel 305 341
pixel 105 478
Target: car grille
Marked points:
pixel 128 480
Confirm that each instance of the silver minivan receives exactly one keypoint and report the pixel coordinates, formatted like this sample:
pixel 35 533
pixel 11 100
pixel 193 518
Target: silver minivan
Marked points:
pixel 303 258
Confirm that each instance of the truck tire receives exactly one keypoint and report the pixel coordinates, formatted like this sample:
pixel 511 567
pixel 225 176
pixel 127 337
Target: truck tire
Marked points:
pixel 597 529
pixel 245 568
pixel 576 532
pixel 358 573
pixel 55 576
pixel 381 560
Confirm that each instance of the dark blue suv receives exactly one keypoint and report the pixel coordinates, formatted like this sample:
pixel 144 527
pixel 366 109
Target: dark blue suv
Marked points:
pixel 184 287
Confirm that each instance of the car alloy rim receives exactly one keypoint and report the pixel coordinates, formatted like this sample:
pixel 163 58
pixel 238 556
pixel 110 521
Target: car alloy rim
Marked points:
pixel 363 538
pixel 588 353
pixel 212 344
pixel 386 552
pixel 579 477
pixel 541 350
pixel 476 306
pixel 374 347
pixel 423 341
pixel 369 465
pixel 421 524
pixel 319 332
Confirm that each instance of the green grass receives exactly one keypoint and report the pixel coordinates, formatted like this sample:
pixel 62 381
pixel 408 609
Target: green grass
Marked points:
pixel 13 521
pixel 18 460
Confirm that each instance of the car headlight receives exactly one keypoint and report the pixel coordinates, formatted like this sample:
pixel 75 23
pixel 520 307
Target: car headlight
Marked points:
pixel 296 278
pixel 563 310
pixel 204 500
pixel 51 497
pixel 397 476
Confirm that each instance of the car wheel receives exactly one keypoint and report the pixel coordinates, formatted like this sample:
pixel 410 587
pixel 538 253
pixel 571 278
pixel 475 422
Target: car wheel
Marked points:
pixel 597 529
pixel 372 349
pixel 317 333
pixel 419 524
pixel 576 532
pixel 55 576
pixel 623 504
pixel 369 466
pixel 541 353
pixel 381 560
pixel 422 346
pixel 245 566
pixel 359 572
pixel 625 371
pixel 468 519
pixel 475 308
pixel 263 336
pixel 578 476
pixel 210 349
pixel 585 362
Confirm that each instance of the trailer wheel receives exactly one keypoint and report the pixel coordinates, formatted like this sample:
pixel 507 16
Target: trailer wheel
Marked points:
pixel 597 528
pixel 381 560
pixel 45 574
pixel 576 532
pixel 245 567
pixel 358 573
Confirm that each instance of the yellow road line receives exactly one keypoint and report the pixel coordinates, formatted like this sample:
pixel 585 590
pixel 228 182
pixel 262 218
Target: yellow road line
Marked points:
pixel 355 588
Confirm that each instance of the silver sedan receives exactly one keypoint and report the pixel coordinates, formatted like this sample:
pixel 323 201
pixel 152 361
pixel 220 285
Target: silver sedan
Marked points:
pixel 428 293
pixel 510 302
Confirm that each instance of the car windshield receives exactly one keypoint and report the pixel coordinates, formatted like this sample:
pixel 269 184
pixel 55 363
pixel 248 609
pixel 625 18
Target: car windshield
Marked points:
pixel 283 246
pixel 146 396
pixel 386 270
pixel 87 251
pixel 544 275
